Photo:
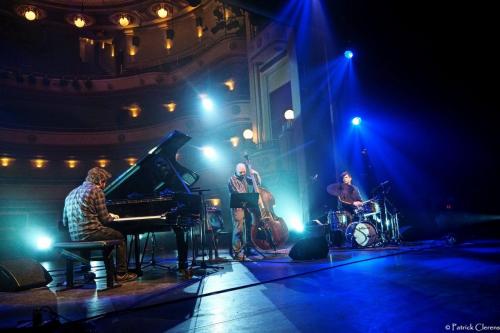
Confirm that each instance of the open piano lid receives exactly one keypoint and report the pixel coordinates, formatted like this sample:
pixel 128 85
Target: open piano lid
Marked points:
pixel 156 172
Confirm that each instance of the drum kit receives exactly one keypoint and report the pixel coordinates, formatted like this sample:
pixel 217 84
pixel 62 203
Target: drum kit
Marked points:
pixel 373 223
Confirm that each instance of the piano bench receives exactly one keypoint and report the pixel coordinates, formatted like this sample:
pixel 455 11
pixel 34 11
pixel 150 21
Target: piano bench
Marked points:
pixel 71 252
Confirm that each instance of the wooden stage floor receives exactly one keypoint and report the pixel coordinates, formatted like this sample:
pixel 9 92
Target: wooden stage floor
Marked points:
pixel 420 287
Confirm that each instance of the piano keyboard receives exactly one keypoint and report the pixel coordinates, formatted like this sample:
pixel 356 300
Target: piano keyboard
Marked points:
pixel 136 218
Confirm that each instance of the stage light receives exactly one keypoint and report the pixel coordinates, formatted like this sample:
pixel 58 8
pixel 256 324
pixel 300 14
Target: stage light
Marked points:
pixel 289 115
pixel 348 54
pixel 43 243
pixel 209 152
pixel 248 134
pixel 356 121
pixel 206 103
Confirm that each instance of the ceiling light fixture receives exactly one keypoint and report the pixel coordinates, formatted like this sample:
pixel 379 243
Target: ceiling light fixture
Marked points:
pixel 124 20
pixel 169 41
pixel 79 21
pixel 199 26
pixel 30 14
pixel 6 161
pixel 162 12
pixel 170 106
pixel 230 84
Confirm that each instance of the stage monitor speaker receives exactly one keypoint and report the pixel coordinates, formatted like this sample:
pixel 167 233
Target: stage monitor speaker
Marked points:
pixel 21 274
pixel 310 248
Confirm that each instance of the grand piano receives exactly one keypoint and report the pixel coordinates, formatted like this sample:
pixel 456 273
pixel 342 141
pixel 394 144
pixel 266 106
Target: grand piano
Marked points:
pixel 155 195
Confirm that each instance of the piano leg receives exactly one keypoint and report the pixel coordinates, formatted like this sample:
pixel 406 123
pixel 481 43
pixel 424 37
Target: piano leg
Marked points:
pixel 182 247
pixel 135 244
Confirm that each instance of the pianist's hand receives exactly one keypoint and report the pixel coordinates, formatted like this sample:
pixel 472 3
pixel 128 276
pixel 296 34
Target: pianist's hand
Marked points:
pixel 114 216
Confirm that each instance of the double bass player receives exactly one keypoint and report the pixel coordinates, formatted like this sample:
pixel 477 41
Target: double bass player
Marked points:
pixel 240 182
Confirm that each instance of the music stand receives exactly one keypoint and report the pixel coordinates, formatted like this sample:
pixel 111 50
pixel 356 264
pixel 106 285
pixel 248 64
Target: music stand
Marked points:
pixel 203 225
pixel 245 200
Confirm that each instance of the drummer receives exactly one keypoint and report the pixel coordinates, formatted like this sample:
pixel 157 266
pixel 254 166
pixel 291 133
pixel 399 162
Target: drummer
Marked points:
pixel 349 198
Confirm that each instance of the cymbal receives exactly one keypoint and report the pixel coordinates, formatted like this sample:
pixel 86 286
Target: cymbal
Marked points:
pixel 334 189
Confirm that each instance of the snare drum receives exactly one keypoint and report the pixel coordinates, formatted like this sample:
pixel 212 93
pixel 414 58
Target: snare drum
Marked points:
pixel 361 234
pixel 339 220
pixel 368 208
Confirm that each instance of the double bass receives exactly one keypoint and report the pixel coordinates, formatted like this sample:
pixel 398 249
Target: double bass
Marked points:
pixel 270 231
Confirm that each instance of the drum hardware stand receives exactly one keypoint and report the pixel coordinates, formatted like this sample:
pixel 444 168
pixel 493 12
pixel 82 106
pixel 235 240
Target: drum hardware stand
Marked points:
pixel 203 226
pixel 391 224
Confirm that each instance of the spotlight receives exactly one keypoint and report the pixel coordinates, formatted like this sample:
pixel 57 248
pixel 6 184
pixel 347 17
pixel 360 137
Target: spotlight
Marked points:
pixel 43 243
pixel 356 121
pixel 209 152
pixel 348 54
pixel 207 103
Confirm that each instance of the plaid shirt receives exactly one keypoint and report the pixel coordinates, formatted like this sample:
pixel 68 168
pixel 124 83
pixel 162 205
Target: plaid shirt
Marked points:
pixel 85 211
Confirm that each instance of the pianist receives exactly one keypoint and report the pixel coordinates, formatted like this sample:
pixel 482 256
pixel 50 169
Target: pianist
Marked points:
pixel 85 212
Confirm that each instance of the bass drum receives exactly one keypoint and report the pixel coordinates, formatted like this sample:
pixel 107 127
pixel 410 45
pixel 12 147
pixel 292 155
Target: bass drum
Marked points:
pixel 361 234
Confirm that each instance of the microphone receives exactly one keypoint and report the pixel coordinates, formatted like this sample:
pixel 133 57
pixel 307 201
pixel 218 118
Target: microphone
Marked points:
pixel 384 183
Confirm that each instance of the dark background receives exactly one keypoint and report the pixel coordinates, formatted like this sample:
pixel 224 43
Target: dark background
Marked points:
pixel 432 65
